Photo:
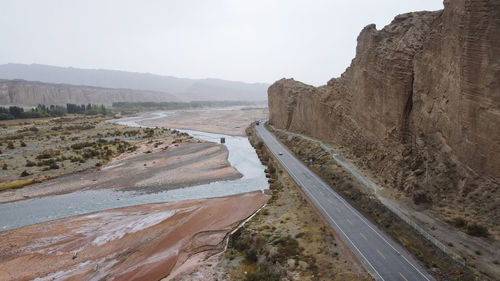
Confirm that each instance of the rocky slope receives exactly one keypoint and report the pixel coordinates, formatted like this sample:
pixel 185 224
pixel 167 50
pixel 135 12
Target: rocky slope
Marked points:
pixel 419 106
pixel 28 93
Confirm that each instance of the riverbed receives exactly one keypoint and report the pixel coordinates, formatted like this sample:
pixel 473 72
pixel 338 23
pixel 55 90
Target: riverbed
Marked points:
pixel 241 156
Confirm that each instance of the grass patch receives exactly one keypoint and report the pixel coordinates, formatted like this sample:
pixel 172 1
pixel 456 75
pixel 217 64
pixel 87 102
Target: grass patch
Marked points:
pixel 16 184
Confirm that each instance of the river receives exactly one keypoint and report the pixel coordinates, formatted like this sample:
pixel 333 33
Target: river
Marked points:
pixel 242 156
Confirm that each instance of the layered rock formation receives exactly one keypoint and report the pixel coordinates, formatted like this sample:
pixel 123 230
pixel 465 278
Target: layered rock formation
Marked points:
pixel 419 105
pixel 27 93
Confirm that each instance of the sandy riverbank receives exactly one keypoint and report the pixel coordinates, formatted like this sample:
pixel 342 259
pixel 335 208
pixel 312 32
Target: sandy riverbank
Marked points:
pixel 150 168
pixel 142 242
pixel 228 121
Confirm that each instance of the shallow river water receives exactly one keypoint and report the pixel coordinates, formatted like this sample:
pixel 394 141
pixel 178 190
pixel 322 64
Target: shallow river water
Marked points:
pixel 241 156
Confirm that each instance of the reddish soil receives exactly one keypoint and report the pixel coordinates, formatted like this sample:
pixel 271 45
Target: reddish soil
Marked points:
pixel 143 242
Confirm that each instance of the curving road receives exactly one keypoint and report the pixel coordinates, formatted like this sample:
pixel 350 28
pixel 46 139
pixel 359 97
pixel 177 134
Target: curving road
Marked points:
pixel 382 258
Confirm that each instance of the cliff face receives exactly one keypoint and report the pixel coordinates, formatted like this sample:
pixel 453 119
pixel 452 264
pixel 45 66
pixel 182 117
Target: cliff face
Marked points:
pixel 27 93
pixel 419 105
pixel 457 84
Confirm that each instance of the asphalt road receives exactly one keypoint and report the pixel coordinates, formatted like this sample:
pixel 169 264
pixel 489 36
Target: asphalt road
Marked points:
pixel 382 257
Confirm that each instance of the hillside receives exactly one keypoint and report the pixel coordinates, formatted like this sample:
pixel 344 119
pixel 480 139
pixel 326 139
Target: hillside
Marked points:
pixel 183 88
pixel 28 93
pixel 418 107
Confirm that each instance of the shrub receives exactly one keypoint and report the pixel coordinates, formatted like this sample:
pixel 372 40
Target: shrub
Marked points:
pixel 77 146
pixel 287 247
pixel 30 164
pixel 251 255
pixel 271 168
pixel 458 222
pixel 53 166
pixel 23 144
pixel 10 145
pixel 46 162
pixel 25 174
pixel 476 230
pixel 260 144
pixel 263 274
pixel 46 154
pixel 4 167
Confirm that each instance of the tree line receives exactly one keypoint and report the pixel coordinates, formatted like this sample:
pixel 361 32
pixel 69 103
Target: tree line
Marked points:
pixel 16 112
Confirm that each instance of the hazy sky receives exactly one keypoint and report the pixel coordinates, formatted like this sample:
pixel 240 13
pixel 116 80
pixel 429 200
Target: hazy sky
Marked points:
pixel 253 40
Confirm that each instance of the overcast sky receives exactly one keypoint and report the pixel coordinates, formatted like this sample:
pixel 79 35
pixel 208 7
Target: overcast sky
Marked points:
pixel 252 41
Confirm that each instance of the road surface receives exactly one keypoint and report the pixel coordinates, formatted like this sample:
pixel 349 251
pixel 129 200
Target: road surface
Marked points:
pixel 382 258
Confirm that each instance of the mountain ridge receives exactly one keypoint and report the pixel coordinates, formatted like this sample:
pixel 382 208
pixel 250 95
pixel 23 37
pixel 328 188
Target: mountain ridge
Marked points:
pixel 184 88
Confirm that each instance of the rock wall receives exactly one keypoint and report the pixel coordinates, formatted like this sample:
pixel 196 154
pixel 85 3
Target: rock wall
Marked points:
pixel 27 93
pixel 419 105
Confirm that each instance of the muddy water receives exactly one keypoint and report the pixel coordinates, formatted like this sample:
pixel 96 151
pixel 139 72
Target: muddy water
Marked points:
pixel 241 156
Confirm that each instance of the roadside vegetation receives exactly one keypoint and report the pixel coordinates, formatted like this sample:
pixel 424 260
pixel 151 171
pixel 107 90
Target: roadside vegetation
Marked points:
pixel 287 240
pixel 340 180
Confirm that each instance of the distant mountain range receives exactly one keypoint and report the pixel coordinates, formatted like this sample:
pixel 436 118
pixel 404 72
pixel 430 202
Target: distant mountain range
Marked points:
pixel 29 93
pixel 182 88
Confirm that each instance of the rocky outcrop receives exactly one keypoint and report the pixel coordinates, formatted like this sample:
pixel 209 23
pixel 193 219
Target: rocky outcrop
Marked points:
pixel 27 93
pixel 419 105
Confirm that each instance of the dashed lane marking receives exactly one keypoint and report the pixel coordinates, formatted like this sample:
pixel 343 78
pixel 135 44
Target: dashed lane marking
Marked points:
pixel 382 255
pixel 364 237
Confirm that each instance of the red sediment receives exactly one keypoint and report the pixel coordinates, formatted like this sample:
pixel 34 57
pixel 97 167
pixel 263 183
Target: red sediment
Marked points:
pixel 143 242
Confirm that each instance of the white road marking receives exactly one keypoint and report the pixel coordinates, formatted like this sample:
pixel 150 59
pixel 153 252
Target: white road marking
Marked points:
pixel 364 237
pixel 321 185
pixel 380 253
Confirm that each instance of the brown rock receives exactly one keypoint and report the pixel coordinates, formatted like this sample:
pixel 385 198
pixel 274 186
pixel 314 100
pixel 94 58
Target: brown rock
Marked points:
pixel 427 87
pixel 27 93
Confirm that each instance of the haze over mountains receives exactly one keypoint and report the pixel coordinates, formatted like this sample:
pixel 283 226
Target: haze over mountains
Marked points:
pixel 183 89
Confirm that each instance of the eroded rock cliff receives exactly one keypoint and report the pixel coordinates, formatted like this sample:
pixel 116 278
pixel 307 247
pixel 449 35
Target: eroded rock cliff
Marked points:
pixel 28 93
pixel 419 105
